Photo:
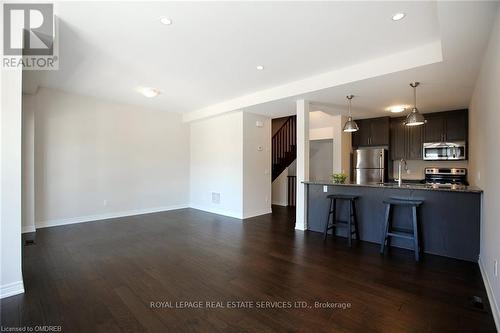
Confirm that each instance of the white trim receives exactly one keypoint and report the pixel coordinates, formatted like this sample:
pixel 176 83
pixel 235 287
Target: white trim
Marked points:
pixel 11 289
pixel 495 310
pixel 258 213
pixel 280 203
pixel 97 217
pixel 28 228
pixel 217 211
pixel 300 227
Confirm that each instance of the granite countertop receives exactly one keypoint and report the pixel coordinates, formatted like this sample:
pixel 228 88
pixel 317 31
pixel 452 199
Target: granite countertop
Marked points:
pixel 411 185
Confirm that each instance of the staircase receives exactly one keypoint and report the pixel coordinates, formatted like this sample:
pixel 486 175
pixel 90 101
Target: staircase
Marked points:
pixel 284 146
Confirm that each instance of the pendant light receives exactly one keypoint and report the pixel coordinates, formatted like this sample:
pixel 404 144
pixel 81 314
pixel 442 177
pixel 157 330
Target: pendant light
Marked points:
pixel 415 118
pixel 350 125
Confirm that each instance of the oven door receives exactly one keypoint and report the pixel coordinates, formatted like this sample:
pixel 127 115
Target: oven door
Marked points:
pixel 444 151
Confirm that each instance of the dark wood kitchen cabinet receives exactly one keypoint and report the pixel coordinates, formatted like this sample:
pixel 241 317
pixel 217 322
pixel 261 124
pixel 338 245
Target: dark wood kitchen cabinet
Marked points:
pixel 415 137
pixel 361 137
pixel 379 131
pixel 434 128
pixel 398 139
pixel 372 132
pixel 457 126
pixel 446 126
pixel 406 141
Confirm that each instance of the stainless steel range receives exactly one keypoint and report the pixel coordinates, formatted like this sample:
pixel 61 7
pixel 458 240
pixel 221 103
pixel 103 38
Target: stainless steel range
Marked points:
pixel 446 177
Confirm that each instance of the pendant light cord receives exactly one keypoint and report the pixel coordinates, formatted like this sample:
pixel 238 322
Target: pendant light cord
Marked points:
pixel 349 98
pixel 414 85
pixel 414 97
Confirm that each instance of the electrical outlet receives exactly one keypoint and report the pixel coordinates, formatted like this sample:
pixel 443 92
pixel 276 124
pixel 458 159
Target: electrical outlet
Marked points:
pixel 495 267
pixel 325 189
pixel 104 203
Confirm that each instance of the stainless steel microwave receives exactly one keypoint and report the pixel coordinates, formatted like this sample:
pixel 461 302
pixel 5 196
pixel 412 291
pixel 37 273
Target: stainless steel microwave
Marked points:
pixel 439 151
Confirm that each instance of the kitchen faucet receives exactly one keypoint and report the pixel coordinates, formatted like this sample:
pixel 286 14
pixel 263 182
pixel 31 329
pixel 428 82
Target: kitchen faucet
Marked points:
pixel 401 162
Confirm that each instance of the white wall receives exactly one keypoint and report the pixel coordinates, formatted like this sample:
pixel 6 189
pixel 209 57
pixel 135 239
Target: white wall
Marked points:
pixel 320 159
pixel 326 126
pixel 484 120
pixel 217 164
pixel 11 279
pixel 96 159
pixel 342 147
pixel 225 160
pixel 279 193
pixel 256 165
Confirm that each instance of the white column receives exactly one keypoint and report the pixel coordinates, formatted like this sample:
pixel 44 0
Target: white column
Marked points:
pixel 28 163
pixel 11 279
pixel 302 163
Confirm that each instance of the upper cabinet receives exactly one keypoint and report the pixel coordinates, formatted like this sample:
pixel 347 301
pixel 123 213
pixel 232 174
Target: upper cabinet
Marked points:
pixel 372 132
pixel 406 141
pixel 457 126
pixel 434 129
pixel 379 131
pixel 446 126
pixel 415 142
pixel 398 139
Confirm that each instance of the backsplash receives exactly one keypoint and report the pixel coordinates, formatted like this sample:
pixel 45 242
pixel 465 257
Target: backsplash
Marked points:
pixel 416 168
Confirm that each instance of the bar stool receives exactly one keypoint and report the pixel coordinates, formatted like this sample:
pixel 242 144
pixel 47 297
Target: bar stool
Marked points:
pixel 337 223
pixel 390 231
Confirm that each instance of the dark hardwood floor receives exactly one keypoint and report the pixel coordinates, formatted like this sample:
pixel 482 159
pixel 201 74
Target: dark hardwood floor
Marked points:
pixel 102 277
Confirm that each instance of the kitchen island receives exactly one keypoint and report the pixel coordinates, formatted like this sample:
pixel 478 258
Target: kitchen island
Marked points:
pixel 449 218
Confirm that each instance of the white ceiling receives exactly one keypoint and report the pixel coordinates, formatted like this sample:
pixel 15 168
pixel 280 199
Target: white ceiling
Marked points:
pixel 210 52
pixel 445 85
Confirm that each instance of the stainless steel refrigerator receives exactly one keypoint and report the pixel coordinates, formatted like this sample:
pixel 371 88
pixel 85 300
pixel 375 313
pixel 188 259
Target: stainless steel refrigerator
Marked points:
pixel 370 166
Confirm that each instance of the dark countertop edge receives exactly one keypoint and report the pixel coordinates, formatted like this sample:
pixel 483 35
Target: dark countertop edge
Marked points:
pixel 467 189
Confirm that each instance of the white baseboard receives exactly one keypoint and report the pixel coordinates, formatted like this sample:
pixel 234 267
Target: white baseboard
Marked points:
pixel 11 289
pixel 28 228
pixel 227 213
pixel 495 310
pixel 232 214
pixel 257 213
pixel 90 218
pixel 284 204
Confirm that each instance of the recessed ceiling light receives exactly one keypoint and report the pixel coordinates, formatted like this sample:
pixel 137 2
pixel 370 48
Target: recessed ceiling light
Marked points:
pixel 148 91
pixel 398 16
pixel 397 108
pixel 165 20
pixel 260 67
